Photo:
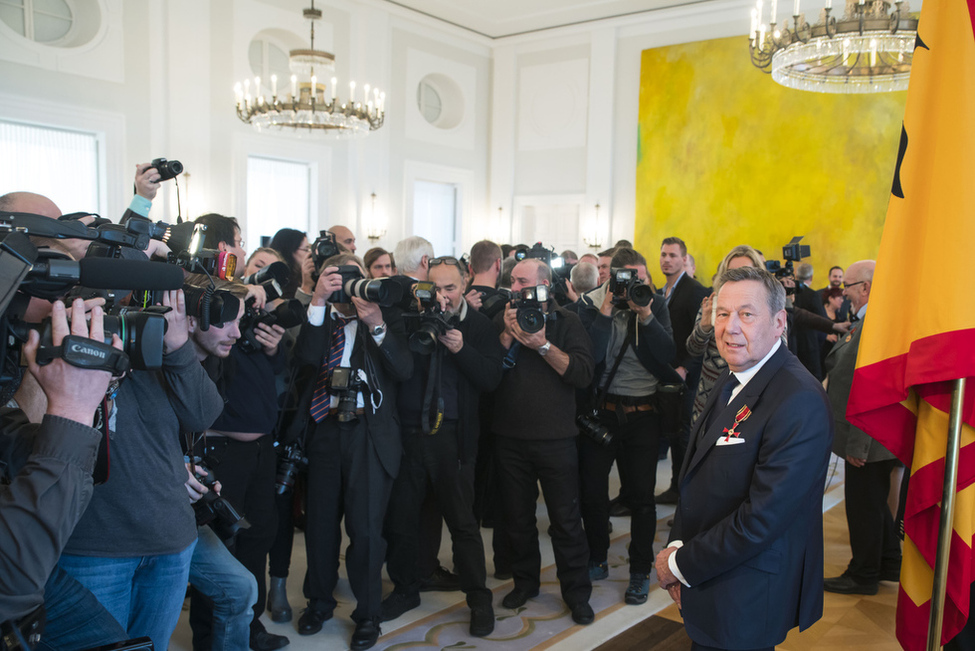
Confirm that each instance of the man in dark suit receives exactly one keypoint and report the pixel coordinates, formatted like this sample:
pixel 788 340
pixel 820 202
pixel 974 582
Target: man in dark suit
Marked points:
pixel 683 295
pixel 353 446
pixel 745 559
pixel 808 340
pixel 873 537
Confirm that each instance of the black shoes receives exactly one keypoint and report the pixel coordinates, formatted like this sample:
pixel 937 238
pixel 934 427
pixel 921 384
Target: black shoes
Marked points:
pixel 264 641
pixel 312 619
pixel 366 635
pixel 482 620
pixel 845 584
pixel 277 600
pixel 442 580
pixel 517 598
pixel 398 603
pixel 582 614
pixel 669 496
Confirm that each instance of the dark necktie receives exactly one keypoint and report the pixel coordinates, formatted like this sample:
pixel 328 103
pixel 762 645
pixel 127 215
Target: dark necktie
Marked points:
pixel 321 400
pixel 726 390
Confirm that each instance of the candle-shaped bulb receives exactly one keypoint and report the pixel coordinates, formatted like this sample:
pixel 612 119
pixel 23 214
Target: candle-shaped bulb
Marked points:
pixel 773 10
pixel 795 8
pixel 351 93
pixel 257 85
pixel 274 85
pixel 294 87
pixel 314 87
pixel 335 83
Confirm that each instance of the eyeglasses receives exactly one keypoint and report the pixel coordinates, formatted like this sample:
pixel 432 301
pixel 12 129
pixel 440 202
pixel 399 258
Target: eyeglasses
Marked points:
pixel 451 261
pixel 305 249
pixel 849 285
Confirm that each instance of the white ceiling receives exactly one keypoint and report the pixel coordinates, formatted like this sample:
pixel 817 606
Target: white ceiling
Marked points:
pixel 499 18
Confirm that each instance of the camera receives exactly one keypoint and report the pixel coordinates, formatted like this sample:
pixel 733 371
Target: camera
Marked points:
pixel 287 315
pixel 530 306
pixel 379 290
pixel 590 427
pixel 290 463
pixel 217 511
pixel 271 278
pixel 168 169
pixel 322 249
pixel 560 270
pixel 346 384
pixel 210 306
pixel 625 286
pixel 425 327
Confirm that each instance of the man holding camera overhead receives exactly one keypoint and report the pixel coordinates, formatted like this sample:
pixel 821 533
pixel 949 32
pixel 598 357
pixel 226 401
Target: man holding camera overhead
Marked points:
pixel 633 344
pixel 548 357
pixel 353 443
pixel 460 359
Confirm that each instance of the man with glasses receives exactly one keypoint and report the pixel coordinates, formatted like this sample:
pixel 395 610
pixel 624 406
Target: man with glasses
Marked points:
pixel 438 412
pixel 873 537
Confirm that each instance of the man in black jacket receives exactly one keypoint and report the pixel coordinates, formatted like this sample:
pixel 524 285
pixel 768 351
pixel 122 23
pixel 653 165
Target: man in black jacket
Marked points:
pixel 536 431
pixel 441 449
pixel 353 446
pixel 639 337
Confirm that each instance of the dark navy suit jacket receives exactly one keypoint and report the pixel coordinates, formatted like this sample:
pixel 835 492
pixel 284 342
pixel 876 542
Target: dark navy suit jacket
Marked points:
pixel 750 514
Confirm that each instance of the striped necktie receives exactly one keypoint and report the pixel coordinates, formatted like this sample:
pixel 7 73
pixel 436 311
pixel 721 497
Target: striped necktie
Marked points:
pixel 321 400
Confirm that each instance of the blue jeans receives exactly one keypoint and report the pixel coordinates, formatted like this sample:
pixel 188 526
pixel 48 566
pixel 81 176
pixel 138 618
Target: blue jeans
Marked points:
pixel 75 619
pixel 144 593
pixel 229 586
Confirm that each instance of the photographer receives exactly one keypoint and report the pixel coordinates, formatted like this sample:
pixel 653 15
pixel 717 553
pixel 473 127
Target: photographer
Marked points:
pixel 138 575
pixel 47 483
pixel 446 384
pixel 239 448
pixel 353 445
pixel 535 433
pixel 633 346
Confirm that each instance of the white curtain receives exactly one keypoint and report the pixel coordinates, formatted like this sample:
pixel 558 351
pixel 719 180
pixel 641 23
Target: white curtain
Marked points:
pixel 278 196
pixel 62 165
pixel 435 214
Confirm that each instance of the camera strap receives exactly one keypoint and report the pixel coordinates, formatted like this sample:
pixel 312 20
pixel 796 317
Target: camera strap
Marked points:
pixel 85 353
pixel 433 389
pixel 601 393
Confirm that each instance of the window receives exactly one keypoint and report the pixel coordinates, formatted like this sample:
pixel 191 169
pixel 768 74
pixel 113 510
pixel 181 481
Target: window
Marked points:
pixel 44 21
pixel 58 163
pixel 435 214
pixel 428 101
pixel 266 59
pixel 278 196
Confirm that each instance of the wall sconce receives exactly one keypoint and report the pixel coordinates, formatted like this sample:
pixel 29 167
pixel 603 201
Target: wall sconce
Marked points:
pixel 593 237
pixel 375 229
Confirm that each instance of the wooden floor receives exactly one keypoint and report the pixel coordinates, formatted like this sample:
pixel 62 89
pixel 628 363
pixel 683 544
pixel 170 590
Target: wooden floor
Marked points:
pixel 849 621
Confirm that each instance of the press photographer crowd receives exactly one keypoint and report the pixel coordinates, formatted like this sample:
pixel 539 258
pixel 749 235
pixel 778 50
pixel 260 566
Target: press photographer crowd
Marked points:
pixel 175 405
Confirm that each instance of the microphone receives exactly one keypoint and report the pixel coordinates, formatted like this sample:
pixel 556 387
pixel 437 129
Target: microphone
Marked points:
pixel 108 273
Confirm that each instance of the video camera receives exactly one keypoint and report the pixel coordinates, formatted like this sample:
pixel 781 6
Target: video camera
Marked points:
pixel 625 286
pixel 791 252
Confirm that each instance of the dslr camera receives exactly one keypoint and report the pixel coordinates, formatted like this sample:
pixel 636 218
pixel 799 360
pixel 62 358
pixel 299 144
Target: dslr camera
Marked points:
pixel 291 461
pixel 625 286
pixel 425 327
pixel 346 384
pixel 217 511
pixel 560 270
pixel 287 315
pixel 271 278
pixel 379 290
pixel 168 169
pixel 530 307
pixel 590 427
pixel 322 249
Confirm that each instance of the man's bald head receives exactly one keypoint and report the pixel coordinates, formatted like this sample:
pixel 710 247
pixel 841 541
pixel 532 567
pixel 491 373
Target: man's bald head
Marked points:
pixel 344 236
pixel 36 204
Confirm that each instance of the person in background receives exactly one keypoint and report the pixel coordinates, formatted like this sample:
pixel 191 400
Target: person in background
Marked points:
pixel 292 245
pixel 344 237
pixel 379 263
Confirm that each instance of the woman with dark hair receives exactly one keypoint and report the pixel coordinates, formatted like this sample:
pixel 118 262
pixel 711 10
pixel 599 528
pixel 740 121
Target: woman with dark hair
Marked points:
pixel 379 263
pixel 833 304
pixel 294 249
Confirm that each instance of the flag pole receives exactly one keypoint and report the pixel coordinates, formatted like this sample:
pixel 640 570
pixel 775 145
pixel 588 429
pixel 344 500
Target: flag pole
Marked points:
pixel 947 517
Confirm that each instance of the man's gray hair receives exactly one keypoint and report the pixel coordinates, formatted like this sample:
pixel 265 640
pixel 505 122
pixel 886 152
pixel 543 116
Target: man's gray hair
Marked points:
pixel 584 277
pixel 774 291
pixel 804 272
pixel 409 253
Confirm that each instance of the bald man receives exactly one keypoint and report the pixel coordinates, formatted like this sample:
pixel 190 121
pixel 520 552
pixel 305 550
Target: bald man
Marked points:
pixel 38 204
pixel 344 236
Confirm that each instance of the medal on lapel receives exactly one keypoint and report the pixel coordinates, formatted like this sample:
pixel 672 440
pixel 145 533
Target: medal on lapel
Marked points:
pixel 740 417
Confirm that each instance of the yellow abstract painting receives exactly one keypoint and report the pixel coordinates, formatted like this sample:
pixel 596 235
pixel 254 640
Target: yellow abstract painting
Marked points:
pixel 726 156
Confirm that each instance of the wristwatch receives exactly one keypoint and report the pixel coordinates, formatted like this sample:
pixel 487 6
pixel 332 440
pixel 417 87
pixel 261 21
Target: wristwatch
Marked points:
pixel 544 348
pixel 379 329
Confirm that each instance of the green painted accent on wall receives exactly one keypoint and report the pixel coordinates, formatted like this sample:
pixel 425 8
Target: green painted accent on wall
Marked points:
pixel 726 156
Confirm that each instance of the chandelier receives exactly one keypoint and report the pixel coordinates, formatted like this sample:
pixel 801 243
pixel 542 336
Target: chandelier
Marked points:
pixel 311 106
pixel 868 50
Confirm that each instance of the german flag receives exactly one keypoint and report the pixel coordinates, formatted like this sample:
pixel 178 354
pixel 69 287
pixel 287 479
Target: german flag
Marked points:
pixel 921 332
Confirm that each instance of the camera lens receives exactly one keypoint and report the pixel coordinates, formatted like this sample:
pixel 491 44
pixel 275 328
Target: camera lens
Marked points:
pixel 531 319
pixel 641 295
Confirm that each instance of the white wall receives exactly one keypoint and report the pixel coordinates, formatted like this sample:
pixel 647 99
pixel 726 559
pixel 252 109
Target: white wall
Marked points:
pixel 548 125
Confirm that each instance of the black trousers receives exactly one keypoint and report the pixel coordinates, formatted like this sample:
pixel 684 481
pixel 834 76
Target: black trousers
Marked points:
pixel 634 447
pixel 873 538
pixel 346 480
pixel 488 506
pixel 555 463
pixel 246 471
pixel 431 460
pixel 279 557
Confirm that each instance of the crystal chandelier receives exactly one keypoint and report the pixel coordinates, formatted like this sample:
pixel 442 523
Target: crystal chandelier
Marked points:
pixel 312 106
pixel 868 50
